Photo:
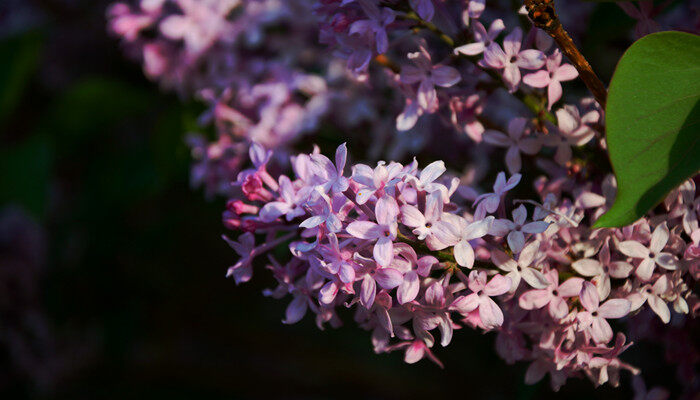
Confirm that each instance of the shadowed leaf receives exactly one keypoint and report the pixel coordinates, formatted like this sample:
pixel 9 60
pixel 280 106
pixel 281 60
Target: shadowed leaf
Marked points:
pixel 653 122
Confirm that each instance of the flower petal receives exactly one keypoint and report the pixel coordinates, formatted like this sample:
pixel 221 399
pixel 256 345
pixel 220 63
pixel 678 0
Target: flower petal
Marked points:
pixel 445 76
pixel 601 330
pixel 489 313
pixel 497 286
pixel 659 238
pixel 388 278
pixel 534 278
pixel 645 269
pixel 633 249
pixel 614 308
pixel 464 254
pixel 537 79
pixel 558 308
pixel 408 290
pixel 497 138
pixel 660 308
pixel 364 229
pixel 494 56
pixel 432 172
pixel 534 299
pixel 368 290
pixel 565 72
pixel 411 216
pixel 383 251
pixel 295 310
pixel 571 287
pixel 589 297
pixel 516 241
pixel 530 59
pixel 587 267
pixel 470 49
pixel 512 42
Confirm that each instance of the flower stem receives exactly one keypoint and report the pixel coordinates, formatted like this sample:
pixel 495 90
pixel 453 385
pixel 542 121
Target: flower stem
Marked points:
pixel 545 17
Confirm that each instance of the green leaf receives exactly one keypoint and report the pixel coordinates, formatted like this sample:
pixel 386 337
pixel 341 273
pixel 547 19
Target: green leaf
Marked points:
pixel 653 122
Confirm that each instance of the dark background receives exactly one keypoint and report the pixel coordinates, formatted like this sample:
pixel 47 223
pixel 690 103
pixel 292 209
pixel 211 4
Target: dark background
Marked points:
pixel 120 263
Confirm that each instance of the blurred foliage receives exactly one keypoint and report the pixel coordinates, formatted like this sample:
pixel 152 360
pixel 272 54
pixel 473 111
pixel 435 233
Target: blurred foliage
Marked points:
pixel 25 169
pixel 20 57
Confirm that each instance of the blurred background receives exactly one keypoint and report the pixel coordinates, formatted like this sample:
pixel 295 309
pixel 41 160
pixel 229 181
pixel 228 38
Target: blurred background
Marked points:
pixel 112 268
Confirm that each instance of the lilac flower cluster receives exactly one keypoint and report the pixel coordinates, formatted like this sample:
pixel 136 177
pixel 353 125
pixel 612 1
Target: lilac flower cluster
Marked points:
pixel 400 246
pixel 243 59
pixel 359 31
pixel 415 252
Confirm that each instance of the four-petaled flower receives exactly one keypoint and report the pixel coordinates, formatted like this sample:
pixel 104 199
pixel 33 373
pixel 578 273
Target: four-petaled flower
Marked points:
pixel 488 202
pixel 490 314
pixel 510 58
pixel 378 181
pixel 330 176
pixel 375 26
pixel 482 38
pixel 457 232
pixel 594 319
pixel 552 77
pixel 521 269
pixel 517 228
pixel 554 295
pixel 242 271
pixel 651 256
pixel 515 141
pixel 289 205
pixel 428 76
pixel 384 231
pixel 423 223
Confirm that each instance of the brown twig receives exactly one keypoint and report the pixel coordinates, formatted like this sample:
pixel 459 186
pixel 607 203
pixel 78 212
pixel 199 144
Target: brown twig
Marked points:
pixel 544 16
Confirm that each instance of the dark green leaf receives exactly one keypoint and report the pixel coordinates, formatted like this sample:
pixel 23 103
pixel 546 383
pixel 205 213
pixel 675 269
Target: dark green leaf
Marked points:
pixel 653 122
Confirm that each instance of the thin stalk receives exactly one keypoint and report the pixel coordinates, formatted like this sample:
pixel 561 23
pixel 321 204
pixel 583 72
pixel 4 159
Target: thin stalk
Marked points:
pixel 544 16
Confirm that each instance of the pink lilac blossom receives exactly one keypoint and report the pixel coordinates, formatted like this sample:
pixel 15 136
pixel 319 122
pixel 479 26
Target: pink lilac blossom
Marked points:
pixel 396 259
pixel 552 77
pixel 510 58
pixel 517 141
pixel 427 76
pixel 275 95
